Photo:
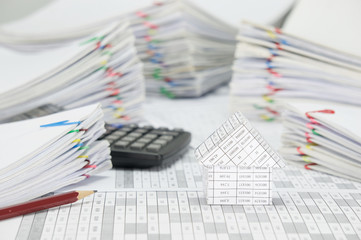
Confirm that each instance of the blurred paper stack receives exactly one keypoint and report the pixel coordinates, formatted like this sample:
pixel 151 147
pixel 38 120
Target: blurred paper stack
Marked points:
pixel 42 155
pixel 186 52
pixel 323 137
pixel 99 68
pixel 272 68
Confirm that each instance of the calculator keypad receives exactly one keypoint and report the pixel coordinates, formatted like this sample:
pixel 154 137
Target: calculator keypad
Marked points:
pixel 134 146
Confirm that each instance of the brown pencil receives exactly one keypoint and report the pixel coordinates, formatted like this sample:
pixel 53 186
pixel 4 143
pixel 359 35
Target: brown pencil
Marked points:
pixel 42 203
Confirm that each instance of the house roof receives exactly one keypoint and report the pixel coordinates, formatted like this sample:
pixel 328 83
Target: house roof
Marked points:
pixel 236 142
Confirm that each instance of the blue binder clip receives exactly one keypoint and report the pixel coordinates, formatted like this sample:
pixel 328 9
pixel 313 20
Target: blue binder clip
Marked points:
pixel 78 145
pixel 62 123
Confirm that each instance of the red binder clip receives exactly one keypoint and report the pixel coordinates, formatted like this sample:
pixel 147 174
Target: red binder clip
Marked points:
pixel 274 73
pixel 278 46
pixel 310 164
pixel 150 25
pixel 274 112
pixel 312 120
pixel 141 14
pixel 299 151
pixel 308 137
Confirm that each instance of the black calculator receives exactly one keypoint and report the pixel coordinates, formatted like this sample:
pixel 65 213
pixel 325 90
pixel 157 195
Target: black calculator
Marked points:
pixel 133 146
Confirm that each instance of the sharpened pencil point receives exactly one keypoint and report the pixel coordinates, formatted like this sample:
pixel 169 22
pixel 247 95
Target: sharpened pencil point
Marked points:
pixel 83 194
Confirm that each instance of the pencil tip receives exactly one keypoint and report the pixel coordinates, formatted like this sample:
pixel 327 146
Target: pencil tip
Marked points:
pixel 95 191
pixel 83 194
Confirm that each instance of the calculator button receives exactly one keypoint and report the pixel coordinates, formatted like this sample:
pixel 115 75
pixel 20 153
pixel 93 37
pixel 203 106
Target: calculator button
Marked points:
pixel 110 128
pixel 119 134
pixel 160 142
pixel 174 134
pixel 166 133
pixel 141 130
pixel 121 144
pixel 162 128
pixel 111 138
pixel 147 127
pixel 150 136
pixel 137 146
pixel 154 147
pixel 126 129
pixel 108 132
pixel 157 132
pixel 122 132
pixel 134 134
pixel 132 126
pixel 128 139
pixel 144 140
pixel 178 129
pixel 168 138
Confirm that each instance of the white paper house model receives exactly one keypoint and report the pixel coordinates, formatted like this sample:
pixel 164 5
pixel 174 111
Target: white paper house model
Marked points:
pixel 237 164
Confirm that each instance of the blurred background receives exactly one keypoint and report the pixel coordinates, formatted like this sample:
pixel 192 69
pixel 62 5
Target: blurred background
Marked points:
pixel 262 11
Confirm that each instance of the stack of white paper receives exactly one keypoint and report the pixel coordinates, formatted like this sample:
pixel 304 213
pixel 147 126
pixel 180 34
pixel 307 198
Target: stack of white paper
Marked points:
pixel 323 137
pixel 102 67
pixel 186 51
pixel 44 154
pixel 273 67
